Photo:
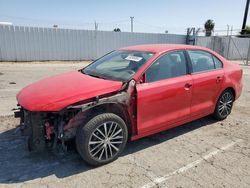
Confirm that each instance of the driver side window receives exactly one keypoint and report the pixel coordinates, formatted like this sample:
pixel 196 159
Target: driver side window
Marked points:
pixel 170 65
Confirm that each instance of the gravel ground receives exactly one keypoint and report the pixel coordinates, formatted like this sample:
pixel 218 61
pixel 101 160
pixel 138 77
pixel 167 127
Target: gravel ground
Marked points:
pixel 203 153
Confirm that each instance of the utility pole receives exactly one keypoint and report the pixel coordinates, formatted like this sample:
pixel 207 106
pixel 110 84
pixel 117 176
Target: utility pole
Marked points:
pixel 96 26
pixel 132 23
pixel 245 18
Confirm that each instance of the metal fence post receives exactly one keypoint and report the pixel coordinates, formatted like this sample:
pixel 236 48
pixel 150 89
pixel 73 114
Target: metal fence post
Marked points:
pixel 228 47
pixel 248 53
pixel 213 37
pixel 196 40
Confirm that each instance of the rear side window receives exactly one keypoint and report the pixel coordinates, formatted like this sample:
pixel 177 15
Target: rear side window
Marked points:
pixel 201 61
pixel 217 63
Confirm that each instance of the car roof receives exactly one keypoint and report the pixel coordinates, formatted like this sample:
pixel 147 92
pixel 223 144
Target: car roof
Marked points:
pixel 158 48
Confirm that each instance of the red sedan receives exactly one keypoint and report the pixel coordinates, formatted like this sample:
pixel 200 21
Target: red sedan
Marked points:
pixel 125 95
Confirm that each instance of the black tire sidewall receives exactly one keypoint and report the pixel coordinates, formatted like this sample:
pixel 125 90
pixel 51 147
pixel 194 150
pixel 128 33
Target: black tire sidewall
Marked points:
pixel 84 132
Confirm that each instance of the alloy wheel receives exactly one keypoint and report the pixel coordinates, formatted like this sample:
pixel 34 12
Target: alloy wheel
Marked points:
pixel 105 141
pixel 225 104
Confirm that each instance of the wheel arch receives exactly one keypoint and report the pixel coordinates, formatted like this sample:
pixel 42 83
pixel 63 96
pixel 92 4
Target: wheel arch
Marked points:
pixel 232 90
pixel 111 107
pixel 224 89
pixel 216 114
pixel 229 88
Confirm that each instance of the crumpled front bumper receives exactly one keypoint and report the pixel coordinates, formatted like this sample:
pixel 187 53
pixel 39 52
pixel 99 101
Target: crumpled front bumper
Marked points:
pixel 32 126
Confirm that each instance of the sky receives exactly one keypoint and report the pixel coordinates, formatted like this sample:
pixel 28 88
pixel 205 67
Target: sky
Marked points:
pixel 151 16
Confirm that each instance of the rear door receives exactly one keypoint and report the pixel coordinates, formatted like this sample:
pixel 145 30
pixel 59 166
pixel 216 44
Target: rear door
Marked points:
pixel 165 97
pixel 207 77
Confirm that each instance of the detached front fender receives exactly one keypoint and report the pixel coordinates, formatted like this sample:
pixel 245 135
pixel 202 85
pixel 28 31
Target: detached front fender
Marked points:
pixel 123 104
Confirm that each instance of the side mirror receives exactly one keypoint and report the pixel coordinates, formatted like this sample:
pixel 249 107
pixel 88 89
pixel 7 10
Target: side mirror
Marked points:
pixel 142 79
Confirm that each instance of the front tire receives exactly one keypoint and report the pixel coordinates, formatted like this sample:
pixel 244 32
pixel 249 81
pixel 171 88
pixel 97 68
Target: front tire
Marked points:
pixel 102 139
pixel 224 105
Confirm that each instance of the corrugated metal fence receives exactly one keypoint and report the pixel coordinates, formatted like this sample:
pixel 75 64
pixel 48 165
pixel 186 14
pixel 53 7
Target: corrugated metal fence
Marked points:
pixel 19 43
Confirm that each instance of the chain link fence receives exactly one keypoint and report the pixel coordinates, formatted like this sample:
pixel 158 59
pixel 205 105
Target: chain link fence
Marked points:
pixel 231 47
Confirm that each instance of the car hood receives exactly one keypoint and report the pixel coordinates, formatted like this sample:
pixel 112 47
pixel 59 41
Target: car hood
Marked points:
pixel 56 92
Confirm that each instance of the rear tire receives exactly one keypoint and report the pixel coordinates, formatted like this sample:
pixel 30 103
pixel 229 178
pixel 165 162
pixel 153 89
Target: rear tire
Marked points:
pixel 102 139
pixel 224 105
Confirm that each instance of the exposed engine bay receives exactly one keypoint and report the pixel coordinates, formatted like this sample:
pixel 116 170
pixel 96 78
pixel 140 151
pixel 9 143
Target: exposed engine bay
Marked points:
pixel 52 129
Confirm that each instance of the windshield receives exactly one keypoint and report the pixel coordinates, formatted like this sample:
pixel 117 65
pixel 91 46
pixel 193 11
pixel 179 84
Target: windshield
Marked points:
pixel 118 65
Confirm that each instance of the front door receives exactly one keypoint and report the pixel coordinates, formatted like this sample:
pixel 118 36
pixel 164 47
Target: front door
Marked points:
pixel 165 97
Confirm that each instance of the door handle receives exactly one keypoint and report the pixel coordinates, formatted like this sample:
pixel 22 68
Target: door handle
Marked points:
pixel 188 86
pixel 218 79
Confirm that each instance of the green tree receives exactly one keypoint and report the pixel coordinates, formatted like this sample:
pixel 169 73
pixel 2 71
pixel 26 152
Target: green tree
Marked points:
pixel 209 27
pixel 247 30
pixel 117 30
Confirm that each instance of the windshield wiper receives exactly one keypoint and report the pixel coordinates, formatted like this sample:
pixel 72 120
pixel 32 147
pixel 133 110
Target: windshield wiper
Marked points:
pixel 94 75
pixel 91 74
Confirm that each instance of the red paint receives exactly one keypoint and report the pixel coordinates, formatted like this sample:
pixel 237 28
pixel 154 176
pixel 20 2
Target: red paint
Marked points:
pixel 206 89
pixel 55 93
pixel 160 105
pixel 161 102
pixel 166 104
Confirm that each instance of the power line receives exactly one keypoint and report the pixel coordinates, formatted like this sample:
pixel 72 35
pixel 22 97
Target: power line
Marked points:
pixel 159 27
pixel 114 22
pixel 57 21
pixel 223 30
pixel 178 29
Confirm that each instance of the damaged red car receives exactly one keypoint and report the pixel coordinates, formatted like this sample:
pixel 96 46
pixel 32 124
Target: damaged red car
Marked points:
pixel 127 94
